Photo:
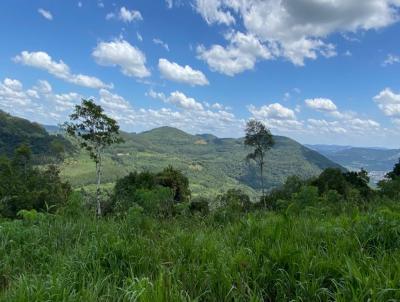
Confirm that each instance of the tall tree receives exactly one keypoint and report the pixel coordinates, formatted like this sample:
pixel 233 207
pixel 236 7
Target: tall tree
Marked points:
pixel 260 139
pixel 94 131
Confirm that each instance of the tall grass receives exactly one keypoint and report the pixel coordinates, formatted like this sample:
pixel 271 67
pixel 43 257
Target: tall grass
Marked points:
pixel 313 256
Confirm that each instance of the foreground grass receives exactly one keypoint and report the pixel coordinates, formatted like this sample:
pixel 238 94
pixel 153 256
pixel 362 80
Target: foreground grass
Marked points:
pixel 314 256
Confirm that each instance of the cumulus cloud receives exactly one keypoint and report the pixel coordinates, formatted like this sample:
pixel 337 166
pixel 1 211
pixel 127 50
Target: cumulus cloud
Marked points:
pixel 131 60
pixel 177 98
pixel 58 69
pixel 183 74
pixel 45 13
pixel 38 102
pixel 277 117
pixel 321 104
pixel 125 15
pixel 388 102
pixel 242 53
pixel 298 30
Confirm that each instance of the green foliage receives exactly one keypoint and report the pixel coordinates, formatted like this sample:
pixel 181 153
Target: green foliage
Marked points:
pixel 257 256
pixel 260 139
pixel 390 186
pixel 93 128
pixel 212 165
pixel 23 187
pixel 199 205
pixel 15 132
pixel 176 181
pixel 235 200
pixel 395 173
pixel 156 193
pixel 94 131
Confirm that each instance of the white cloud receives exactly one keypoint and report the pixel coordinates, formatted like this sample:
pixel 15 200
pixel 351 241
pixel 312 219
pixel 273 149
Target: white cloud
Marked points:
pixel 181 100
pixel 58 69
pixel 178 99
pixel 139 36
pixel 241 54
pixel 169 3
pixel 388 102
pixel 272 111
pixel 160 42
pixel 112 101
pixel 277 117
pixel 212 11
pixel 130 59
pixel 38 102
pixel 183 74
pixel 390 60
pixel 129 15
pixel 321 104
pixel 297 30
pixel 45 13
pixel 125 15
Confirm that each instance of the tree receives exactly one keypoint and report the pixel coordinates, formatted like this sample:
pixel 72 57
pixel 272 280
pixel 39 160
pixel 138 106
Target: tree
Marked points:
pixel 94 131
pixel 259 138
pixel 22 157
pixel 395 172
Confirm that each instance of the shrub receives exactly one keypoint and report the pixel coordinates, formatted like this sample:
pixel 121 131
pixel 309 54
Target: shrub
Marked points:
pixel 235 200
pixel 176 181
pixel 331 179
pixel 156 193
pixel 199 205
pixel 23 187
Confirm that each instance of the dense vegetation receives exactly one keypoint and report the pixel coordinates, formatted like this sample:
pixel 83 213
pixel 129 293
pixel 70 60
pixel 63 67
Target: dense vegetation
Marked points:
pixel 313 248
pixel 15 131
pixel 329 237
pixel 212 164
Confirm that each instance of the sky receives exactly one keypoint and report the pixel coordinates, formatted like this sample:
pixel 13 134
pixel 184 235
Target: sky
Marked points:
pixel 318 71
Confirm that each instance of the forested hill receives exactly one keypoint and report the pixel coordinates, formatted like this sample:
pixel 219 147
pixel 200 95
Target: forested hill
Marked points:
pixel 15 131
pixel 212 164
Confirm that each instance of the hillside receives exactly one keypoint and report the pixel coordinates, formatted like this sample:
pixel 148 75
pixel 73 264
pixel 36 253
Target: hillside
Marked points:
pixel 212 164
pixel 15 131
pixel 377 161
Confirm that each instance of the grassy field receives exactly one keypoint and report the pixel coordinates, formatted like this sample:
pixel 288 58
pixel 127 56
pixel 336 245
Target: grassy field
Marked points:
pixel 320 254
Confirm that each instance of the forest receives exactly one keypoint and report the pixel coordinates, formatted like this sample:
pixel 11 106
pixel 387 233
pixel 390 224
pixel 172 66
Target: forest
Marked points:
pixel 147 237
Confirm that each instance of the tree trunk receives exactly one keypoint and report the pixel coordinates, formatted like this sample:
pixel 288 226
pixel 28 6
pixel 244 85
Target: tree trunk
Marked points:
pixel 262 180
pixel 98 172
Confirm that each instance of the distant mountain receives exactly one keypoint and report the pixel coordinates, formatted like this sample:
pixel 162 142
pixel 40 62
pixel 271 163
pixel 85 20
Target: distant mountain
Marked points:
pixel 377 161
pixel 212 164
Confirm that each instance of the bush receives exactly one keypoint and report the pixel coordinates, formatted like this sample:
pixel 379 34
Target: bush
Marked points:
pixel 199 205
pixel 390 188
pixel 23 187
pixel 176 181
pixel 235 200
pixel 331 179
pixel 155 193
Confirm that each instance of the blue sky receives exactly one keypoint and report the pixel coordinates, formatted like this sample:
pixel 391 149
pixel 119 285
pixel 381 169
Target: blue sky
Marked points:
pixel 315 70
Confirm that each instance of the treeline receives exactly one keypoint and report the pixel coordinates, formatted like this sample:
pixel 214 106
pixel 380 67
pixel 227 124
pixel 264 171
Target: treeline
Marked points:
pixel 166 193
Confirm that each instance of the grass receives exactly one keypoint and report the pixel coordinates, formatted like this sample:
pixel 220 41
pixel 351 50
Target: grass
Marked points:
pixel 261 256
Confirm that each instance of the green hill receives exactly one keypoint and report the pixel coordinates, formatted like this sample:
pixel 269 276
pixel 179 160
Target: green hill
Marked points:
pixel 15 131
pixel 212 164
